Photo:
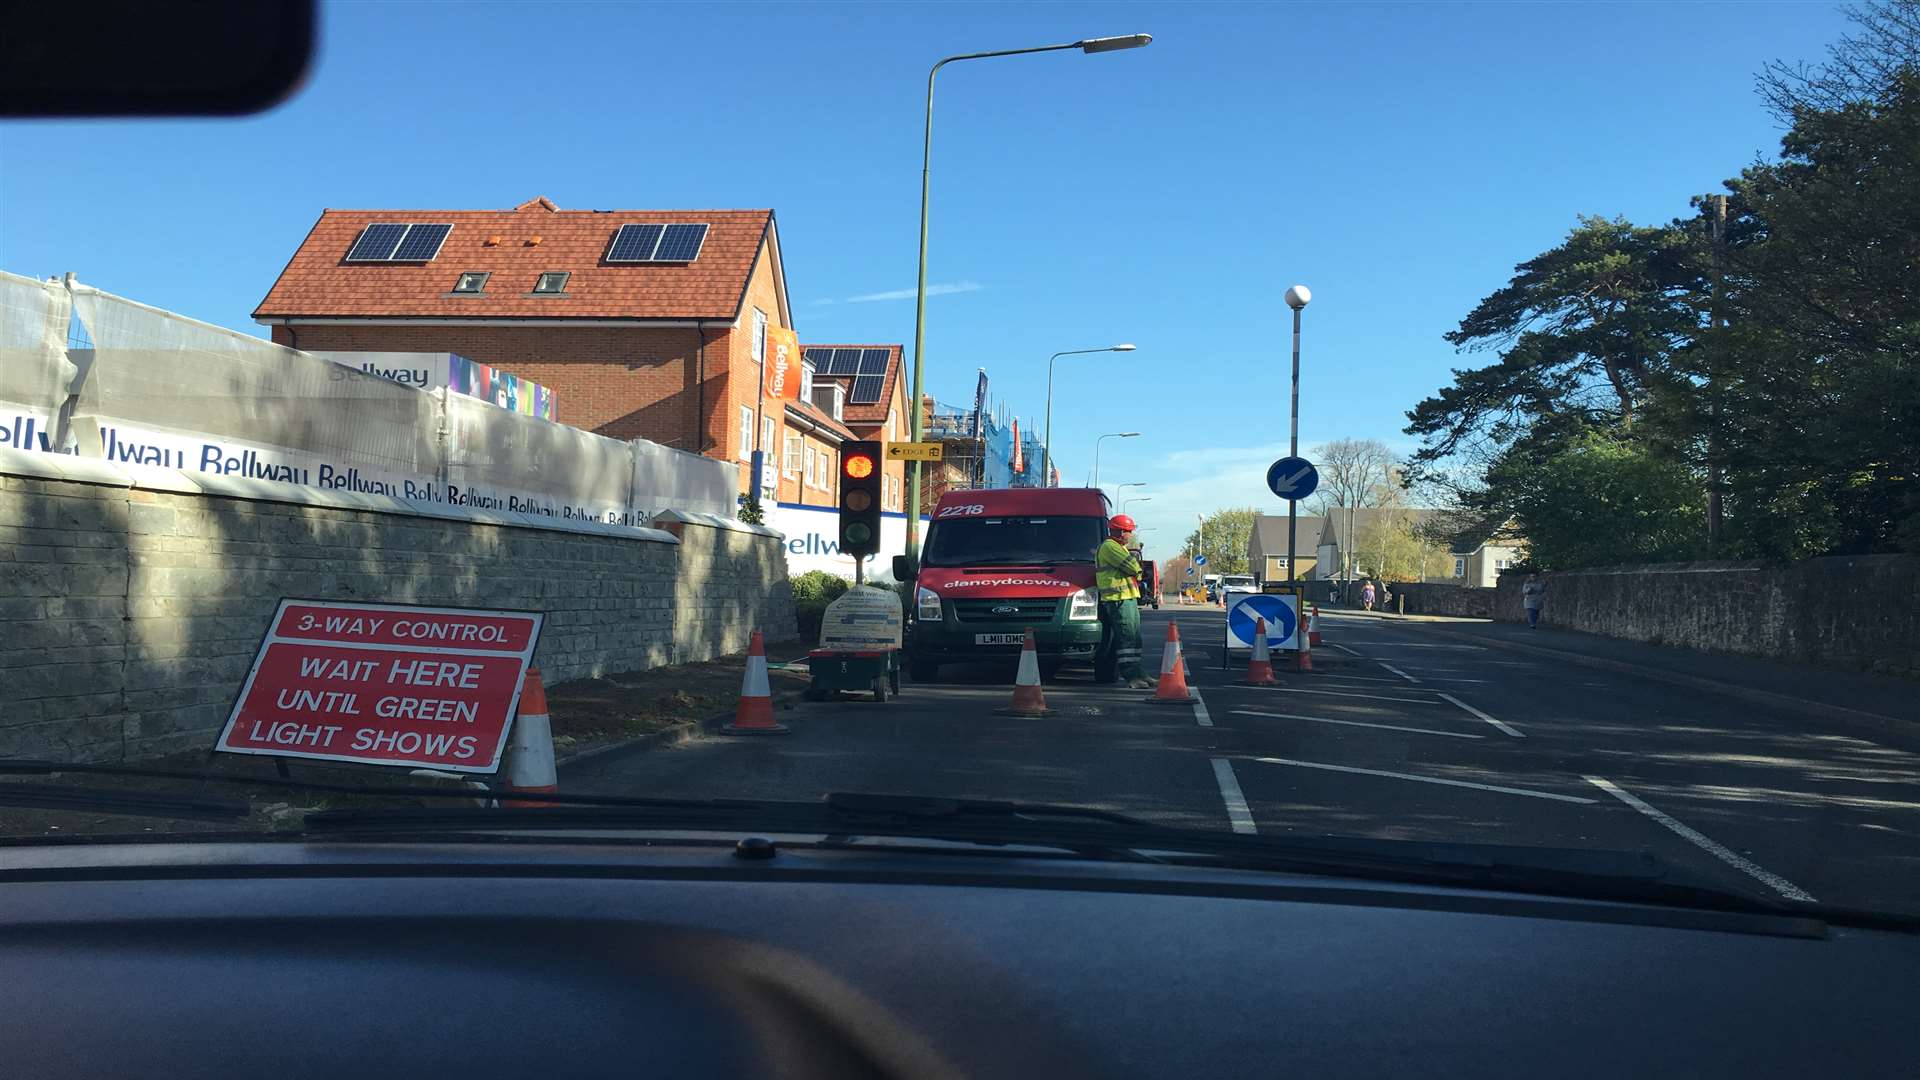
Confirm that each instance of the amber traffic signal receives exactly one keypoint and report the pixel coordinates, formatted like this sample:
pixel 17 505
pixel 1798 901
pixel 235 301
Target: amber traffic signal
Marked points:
pixel 860 498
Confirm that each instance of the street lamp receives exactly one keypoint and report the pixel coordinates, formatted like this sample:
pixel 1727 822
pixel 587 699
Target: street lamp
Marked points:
pixel 1046 443
pixel 1297 298
pixel 1096 450
pixel 1124 503
pixel 1085 45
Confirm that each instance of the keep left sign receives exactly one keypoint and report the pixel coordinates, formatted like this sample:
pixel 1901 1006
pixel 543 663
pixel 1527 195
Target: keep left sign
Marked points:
pixel 384 684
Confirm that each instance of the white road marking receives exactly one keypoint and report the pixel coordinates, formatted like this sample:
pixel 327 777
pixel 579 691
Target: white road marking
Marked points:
pixel 1343 648
pixel 1238 815
pixel 1398 672
pixel 1355 723
pixel 1427 780
pixel 1428 645
pixel 1719 851
pixel 1336 693
pixel 1200 710
pixel 1509 729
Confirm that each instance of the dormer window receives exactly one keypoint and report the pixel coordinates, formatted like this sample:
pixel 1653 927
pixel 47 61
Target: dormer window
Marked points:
pixel 551 283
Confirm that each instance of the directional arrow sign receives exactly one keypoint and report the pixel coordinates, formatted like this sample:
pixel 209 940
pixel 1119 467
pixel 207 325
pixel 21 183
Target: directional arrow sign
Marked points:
pixel 1293 478
pixel 1199 560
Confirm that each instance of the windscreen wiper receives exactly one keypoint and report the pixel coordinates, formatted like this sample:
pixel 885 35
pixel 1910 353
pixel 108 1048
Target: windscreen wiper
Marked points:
pixel 131 803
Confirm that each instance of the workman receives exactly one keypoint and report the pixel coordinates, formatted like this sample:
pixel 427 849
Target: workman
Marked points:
pixel 1117 577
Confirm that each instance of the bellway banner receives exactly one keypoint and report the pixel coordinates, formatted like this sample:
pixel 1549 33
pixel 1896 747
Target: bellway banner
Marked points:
pixel 384 684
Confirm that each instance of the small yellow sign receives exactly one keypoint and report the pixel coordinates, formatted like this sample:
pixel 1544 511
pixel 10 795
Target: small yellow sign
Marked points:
pixel 914 451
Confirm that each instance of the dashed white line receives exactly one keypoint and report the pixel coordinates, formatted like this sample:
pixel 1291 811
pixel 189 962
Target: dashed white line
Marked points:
pixel 1508 728
pixel 1398 672
pixel 1343 648
pixel 1356 723
pixel 1200 711
pixel 1426 779
pixel 1238 815
pixel 1719 851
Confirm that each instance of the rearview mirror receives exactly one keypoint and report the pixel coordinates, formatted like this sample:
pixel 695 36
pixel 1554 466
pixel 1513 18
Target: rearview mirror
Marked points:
pixel 902 568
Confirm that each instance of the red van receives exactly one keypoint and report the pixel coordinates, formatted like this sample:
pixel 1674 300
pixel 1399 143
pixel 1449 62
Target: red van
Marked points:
pixel 998 561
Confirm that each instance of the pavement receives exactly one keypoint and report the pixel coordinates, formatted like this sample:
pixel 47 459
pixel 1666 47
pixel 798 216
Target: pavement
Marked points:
pixel 1416 729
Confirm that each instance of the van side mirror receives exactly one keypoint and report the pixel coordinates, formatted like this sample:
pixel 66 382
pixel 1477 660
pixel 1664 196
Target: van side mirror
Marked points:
pixel 902 568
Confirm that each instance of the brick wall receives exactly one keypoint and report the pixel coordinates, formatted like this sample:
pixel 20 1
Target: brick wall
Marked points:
pixel 137 605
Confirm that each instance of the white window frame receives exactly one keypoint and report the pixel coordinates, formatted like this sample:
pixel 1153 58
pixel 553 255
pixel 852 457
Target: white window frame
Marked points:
pixel 759 335
pixel 806 378
pixel 790 454
pixel 746 433
pixel 1459 567
pixel 810 465
pixel 769 432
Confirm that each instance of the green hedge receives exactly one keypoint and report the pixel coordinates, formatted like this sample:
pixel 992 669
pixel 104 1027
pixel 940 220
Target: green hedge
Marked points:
pixel 812 592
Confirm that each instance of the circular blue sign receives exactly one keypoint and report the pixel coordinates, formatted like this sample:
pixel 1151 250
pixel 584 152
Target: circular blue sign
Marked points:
pixel 1274 609
pixel 1292 478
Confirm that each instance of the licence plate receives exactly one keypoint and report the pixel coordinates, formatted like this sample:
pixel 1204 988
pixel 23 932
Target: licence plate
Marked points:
pixel 999 639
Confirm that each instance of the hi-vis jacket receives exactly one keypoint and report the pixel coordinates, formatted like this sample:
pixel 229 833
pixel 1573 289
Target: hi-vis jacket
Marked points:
pixel 1116 572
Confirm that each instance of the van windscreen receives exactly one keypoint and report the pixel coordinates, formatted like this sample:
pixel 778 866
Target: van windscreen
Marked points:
pixel 1010 541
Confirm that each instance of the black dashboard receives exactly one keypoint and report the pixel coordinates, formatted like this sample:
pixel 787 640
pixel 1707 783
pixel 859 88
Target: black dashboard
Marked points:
pixel 535 959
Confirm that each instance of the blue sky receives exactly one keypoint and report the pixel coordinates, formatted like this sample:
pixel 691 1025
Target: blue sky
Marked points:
pixel 1398 159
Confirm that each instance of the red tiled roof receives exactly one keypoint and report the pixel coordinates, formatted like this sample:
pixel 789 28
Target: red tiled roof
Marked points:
pixel 866 414
pixel 319 282
pixel 812 412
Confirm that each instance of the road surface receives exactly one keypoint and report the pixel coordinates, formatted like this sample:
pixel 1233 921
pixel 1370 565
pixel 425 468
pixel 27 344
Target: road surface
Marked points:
pixel 1404 731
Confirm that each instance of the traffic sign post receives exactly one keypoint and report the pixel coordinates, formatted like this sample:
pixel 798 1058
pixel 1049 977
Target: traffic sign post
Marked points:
pixel 915 451
pixel 1293 478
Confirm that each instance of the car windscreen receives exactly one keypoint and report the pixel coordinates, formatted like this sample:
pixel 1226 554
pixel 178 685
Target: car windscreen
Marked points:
pixel 990 541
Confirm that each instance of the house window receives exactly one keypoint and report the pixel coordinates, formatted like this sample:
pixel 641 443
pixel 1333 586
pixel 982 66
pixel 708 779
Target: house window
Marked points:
pixel 791 464
pixel 1459 568
pixel 1501 564
pixel 472 282
pixel 759 336
pixel 746 433
pixel 810 466
pixel 806 378
pixel 552 283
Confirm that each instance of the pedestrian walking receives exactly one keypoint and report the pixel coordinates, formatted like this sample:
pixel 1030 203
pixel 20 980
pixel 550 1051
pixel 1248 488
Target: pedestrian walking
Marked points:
pixel 1117 577
pixel 1366 596
pixel 1532 594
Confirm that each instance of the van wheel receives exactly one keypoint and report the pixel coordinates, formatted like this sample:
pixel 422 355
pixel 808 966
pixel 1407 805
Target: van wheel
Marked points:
pixel 923 671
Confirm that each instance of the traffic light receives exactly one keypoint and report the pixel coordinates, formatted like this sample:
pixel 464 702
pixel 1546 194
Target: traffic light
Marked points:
pixel 859 498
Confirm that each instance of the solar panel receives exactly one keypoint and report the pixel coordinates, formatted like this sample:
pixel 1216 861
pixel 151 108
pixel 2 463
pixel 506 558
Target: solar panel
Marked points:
pixel 681 243
pixel 376 244
pixel 635 243
pixel 819 358
pixel 866 390
pixel 844 362
pixel 422 243
pixel 873 361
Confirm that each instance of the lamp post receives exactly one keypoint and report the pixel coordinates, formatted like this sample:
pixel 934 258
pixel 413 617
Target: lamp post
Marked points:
pixel 1046 442
pixel 1087 45
pixel 1297 298
pixel 1096 450
pixel 1124 503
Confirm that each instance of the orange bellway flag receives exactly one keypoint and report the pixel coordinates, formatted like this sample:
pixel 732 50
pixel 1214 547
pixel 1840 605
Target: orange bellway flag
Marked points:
pixel 783 363
pixel 1018 464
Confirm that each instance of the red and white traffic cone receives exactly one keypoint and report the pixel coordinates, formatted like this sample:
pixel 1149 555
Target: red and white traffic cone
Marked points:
pixel 1313 626
pixel 754 714
pixel 1028 700
pixel 1303 656
pixel 529 758
pixel 1172 688
pixel 1260 666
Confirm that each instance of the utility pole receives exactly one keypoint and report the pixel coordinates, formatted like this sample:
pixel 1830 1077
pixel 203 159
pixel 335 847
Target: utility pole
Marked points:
pixel 1717 222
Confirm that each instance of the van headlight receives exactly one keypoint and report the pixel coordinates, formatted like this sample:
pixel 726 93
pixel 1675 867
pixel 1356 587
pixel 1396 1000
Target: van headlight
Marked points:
pixel 928 603
pixel 1084 606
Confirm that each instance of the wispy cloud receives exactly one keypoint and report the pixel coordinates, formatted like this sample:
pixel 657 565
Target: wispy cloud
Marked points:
pixel 947 289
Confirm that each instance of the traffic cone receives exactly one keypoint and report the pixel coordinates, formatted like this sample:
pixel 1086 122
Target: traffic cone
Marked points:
pixel 1260 667
pixel 1027 699
pixel 529 757
pixel 754 714
pixel 1303 656
pixel 1313 626
pixel 1173 672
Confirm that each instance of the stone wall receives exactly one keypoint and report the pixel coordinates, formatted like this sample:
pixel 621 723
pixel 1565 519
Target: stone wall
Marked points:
pixel 136 597
pixel 1849 612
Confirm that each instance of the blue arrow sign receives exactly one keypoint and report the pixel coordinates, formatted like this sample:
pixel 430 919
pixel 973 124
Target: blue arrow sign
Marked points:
pixel 1293 478
pixel 1276 610
pixel 1199 560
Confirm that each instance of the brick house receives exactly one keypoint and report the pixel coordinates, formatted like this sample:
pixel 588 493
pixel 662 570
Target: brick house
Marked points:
pixel 862 386
pixel 645 324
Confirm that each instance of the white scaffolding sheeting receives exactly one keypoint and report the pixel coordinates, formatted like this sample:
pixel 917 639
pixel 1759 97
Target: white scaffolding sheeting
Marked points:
pixel 34 370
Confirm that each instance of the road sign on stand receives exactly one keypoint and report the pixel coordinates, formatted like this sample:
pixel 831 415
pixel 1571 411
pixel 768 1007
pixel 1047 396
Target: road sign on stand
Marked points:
pixel 1282 613
pixel 1292 478
pixel 915 451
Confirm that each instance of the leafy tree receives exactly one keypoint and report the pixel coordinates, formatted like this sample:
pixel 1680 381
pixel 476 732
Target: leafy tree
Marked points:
pixel 1354 473
pixel 1397 547
pixel 1603 498
pixel 1226 533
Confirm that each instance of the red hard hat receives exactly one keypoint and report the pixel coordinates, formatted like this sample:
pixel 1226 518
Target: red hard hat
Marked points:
pixel 1120 523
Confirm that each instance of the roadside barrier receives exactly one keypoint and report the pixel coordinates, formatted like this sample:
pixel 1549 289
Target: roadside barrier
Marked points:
pixel 529 759
pixel 1173 672
pixel 1028 700
pixel 1260 666
pixel 754 714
